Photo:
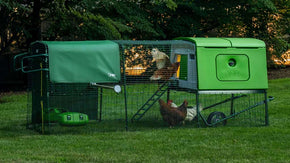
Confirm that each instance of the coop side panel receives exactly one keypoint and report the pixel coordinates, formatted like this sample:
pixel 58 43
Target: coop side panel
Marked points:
pixel 208 73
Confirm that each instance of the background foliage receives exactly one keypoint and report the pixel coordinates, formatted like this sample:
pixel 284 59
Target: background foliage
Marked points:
pixel 22 22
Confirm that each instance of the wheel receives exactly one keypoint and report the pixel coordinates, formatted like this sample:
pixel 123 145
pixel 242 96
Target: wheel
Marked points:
pixel 215 117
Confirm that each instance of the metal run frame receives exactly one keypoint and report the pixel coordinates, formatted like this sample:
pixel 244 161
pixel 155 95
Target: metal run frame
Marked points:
pixel 233 113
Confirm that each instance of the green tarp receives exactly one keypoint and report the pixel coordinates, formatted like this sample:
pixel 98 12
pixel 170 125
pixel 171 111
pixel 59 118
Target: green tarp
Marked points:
pixel 83 61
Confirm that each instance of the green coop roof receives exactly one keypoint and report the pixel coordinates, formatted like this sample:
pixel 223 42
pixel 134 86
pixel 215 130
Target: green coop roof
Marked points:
pixel 225 42
pixel 83 61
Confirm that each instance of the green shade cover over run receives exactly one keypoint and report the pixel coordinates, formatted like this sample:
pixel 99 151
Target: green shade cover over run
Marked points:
pixel 83 61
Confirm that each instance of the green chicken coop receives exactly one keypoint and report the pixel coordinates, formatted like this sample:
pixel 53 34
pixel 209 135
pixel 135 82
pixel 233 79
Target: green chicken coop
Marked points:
pixel 108 85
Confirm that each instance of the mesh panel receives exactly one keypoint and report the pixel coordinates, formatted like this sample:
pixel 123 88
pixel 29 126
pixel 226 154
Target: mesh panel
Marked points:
pixel 148 77
pixel 241 107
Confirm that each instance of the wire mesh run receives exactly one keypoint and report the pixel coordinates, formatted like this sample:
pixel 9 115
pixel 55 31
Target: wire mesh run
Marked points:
pixel 235 109
pixel 151 71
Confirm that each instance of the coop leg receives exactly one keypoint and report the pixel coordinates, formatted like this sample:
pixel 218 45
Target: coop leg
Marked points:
pixel 97 103
pixel 197 109
pixel 101 104
pixel 168 95
pixel 126 108
pixel 266 109
pixel 232 105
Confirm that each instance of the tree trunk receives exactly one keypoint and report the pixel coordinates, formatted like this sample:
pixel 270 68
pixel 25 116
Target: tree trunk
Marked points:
pixel 35 27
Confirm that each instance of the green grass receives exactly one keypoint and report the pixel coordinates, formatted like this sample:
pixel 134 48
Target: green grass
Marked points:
pixel 180 144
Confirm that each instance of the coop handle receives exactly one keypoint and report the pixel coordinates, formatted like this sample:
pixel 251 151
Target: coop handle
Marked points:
pixel 32 70
pixel 15 59
pixel 116 88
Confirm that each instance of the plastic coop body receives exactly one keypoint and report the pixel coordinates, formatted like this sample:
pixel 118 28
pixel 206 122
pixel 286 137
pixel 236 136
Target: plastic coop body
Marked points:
pixel 229 63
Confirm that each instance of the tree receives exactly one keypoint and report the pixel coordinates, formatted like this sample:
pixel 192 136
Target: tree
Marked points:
pixel 12 22
pixel 260 19
pixel 21 21
pixel 20 24
pixel 94 19
pixel 280 30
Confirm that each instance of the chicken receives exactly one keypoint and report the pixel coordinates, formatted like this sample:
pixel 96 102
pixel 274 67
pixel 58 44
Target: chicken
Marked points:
pixel 166 72
pixel 162 60
pixel 191 111
pixel 173 115
pixel 170 102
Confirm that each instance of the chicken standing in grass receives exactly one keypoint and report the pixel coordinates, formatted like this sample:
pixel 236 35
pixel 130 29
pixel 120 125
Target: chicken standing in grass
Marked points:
pixel 173 115
pixel 191 111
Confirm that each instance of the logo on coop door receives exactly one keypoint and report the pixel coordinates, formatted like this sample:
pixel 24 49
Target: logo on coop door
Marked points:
pixel 111 75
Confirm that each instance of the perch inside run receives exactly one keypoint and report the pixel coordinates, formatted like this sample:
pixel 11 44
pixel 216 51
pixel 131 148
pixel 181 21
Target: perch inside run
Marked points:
pixel 225 80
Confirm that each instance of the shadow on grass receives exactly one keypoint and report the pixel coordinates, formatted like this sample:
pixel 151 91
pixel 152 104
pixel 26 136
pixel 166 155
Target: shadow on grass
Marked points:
pixel 21 129
pixel 15 130
pixel 18 130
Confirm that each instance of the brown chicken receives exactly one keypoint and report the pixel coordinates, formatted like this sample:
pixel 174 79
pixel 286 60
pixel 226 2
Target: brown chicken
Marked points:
pixel 173 115
pixel 166 72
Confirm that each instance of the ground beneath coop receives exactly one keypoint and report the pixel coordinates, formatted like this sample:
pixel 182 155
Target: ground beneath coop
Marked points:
pixel 279 73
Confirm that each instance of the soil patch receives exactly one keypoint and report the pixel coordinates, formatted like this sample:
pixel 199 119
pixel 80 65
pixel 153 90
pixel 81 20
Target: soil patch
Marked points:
pixel 279 73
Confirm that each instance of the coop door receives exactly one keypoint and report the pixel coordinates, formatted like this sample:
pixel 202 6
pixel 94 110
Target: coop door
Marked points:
pixel 187 70
pixel 232 67
pixel 182 70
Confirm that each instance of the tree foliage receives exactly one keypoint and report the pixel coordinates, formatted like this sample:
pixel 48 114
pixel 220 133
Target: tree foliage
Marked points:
pixel 25 21
pixel 12 25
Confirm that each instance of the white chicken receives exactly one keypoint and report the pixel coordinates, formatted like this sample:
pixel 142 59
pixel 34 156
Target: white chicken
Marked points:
pixel 191 111
pixel 162 60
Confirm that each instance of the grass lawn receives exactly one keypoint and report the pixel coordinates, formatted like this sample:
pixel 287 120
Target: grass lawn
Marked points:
pixel 222 144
